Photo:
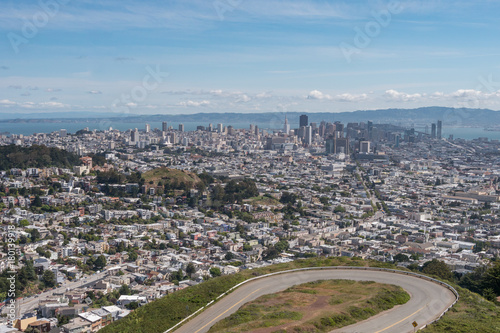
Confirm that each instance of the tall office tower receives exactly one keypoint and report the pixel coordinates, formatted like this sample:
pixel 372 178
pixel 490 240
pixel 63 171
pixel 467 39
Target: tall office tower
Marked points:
pixel 322 129
pixel 342 145
pixel 173 138
pixel 286 128
pixel 304 120
pixel 230 130
pixel 314 126
pixel 370 129
pixel 364 147
pixel 164 126
pixel 308 135
pixel 220 128
pixel 433 131
pixel 210 128
pixel 181 127
pixel 439 129
pixel 134 135
pixel 301 133
pixel 330 145
pixel 148 128
pixel 339 127
pixel 330 129
pixel 256 130
pixel 252 128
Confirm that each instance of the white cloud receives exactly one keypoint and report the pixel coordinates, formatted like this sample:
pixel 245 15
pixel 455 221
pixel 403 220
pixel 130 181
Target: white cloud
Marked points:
pixel 351 97
pixel 316 94
pixel 396 96
pixel 52 89
pixel 52 105
pixel 94 92
pixel 194 103
pixel 243 98
pixel 264 95
pixel 6 102
pixel 32 105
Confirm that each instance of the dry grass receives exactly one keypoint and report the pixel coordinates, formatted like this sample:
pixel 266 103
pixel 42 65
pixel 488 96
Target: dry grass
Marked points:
pixel 310 307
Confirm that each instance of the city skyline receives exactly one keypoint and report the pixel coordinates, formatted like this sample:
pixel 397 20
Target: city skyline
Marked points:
pixel 242 56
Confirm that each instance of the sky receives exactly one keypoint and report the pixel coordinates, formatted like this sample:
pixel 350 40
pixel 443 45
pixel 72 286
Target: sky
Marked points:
pixel 191 56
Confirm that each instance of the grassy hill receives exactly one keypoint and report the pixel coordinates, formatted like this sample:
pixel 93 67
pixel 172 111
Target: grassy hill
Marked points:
pixel 470 312
pixel 36 156
pixel 318 306
pixel 173 178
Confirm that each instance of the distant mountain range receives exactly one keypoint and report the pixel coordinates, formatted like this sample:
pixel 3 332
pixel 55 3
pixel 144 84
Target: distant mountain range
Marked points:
pixel 404 117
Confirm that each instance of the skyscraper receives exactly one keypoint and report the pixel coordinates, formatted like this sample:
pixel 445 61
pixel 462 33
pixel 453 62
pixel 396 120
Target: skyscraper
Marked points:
pixel 134 135
pixel 330 145
pixel 148 128
pixel 164 126
pixel 342 146
pixel 308 135
pixel 181 127
pixel 220 128
pixel 433 131
pixel 286 128
pixel 304 120
pixel 439 129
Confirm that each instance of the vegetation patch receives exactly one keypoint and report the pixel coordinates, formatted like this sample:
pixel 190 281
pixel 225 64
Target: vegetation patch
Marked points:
pixel 171 178
pixel 292 311
pixel 36 156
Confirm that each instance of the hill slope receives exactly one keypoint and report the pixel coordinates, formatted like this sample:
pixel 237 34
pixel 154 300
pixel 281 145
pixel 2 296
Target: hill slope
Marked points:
pixel 13 156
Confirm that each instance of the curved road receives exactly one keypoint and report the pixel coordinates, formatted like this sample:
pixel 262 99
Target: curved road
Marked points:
pixel 428 300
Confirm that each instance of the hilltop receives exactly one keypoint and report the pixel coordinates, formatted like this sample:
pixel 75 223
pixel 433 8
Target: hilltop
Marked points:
pixel 172 178
pixel 36 156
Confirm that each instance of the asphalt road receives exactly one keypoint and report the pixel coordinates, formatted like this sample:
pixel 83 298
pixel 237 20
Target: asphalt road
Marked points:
pixel 428 300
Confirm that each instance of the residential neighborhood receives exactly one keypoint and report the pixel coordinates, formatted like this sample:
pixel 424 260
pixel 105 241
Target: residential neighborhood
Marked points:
pixel 145 213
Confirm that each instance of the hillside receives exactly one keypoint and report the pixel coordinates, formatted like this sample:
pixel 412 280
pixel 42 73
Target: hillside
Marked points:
pixel 13 156
pixel 171 178
pixel 403 117
pixel 165 312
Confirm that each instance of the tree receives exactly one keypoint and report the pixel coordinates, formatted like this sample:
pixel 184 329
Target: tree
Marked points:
pixel 491 279
pixel 401 257
pixel 24 223
pixel 282 246
pixel 229 256
pixel 37 202
pixel 288 198
pixel 125 290
pixel 35 235
pixel 100 262
pixel 339 209
pixel 49 278
pixel 132 305
pixel 437 268
pixel 215 271
pixel 190 269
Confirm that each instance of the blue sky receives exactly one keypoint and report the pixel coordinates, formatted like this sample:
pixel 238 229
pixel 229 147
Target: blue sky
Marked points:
pixel 194 56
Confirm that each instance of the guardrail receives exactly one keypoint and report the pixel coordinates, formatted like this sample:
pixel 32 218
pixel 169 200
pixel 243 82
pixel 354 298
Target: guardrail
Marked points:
pixel 457 296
